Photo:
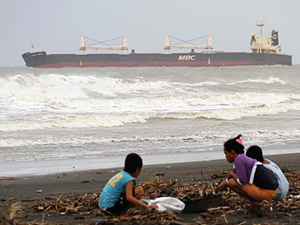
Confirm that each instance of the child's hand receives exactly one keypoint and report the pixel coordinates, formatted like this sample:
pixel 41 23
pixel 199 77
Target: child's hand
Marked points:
pixel 152 206
pixel 215 189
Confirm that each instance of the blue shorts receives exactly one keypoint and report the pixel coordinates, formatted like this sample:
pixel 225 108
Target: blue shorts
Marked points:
pixel 278 195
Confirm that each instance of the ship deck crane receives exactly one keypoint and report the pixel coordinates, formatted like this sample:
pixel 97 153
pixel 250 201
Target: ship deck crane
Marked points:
pixel 168 46
pixel 123 47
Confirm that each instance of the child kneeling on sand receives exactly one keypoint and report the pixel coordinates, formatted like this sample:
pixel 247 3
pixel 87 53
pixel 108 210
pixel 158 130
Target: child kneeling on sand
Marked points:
pixel 121 192
pixel 249 178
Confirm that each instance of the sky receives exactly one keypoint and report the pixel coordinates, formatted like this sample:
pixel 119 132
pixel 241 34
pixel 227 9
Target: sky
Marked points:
pixel 55 26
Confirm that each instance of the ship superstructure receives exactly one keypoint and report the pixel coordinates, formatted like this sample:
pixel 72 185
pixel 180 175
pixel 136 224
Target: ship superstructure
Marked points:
pixel 266 45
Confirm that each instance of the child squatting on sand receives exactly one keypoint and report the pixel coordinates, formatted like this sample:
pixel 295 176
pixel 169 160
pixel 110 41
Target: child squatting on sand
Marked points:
pixel 249 178
pixel 255 152
pixel 120 192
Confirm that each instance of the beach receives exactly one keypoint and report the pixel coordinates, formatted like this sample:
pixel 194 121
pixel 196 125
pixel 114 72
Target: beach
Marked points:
pixel 27 192
pixel 65 132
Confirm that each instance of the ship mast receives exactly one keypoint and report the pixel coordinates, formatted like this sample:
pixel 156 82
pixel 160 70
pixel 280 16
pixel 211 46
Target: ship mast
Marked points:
pixel 83 46
pixel 168 46
pixel 261 25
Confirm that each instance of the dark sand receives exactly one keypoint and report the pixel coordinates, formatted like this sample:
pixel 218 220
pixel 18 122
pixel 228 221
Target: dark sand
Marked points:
pixel 28 190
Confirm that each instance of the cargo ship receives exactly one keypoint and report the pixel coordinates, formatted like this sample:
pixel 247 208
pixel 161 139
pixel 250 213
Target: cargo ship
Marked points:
pixel 264 51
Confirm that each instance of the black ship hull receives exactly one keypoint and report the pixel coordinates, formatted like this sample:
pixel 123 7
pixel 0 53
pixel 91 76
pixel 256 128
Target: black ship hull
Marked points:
pixel 213 59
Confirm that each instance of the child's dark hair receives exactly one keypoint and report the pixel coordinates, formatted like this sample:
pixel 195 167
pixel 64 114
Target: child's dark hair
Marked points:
pixel 132 162
pixel 234 144
pixel 255 152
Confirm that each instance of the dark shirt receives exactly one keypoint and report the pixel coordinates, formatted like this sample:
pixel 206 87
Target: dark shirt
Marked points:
pixel 264 178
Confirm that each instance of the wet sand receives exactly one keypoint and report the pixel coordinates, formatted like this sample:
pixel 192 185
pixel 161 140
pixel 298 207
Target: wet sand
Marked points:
pixel 27 190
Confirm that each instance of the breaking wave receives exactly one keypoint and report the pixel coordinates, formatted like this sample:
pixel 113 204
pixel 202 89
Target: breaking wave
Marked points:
pixel 57 86
pixel 270 80
pixel 120 119
pixel 254 136
pixel 46 101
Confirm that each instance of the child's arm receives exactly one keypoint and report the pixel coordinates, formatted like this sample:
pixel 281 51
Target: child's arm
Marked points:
pixel 224 183
pixel 133 200
pixel 233 175
pixel 220 186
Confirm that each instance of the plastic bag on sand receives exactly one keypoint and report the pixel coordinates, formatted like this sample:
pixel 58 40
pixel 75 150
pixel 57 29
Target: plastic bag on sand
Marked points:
pixel 167 203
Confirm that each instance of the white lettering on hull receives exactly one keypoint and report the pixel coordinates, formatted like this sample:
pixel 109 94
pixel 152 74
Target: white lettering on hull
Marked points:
pixel 186 58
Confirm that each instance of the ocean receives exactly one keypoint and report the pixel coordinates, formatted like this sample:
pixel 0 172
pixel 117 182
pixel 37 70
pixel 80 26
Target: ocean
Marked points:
pixel 72 119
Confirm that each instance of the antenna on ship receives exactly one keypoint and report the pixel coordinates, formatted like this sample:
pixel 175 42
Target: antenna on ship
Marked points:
pixel 260 24
pixel 32 46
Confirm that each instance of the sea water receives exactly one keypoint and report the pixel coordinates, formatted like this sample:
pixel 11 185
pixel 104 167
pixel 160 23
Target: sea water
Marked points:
pixel 70 119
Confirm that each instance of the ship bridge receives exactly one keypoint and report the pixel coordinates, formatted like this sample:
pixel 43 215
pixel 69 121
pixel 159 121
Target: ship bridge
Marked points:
pixel 262 44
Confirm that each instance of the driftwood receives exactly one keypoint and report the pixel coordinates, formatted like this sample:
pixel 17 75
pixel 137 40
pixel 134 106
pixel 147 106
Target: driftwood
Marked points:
pixel 82 206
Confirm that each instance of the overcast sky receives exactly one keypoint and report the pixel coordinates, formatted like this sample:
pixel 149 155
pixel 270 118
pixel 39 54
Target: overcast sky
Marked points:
pixel 55 26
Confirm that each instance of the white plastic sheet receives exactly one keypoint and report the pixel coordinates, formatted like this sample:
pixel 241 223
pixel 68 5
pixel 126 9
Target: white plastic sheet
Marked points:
pixel 167 203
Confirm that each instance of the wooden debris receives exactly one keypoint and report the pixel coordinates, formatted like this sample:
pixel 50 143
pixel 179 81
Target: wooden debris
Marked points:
pixel 86 205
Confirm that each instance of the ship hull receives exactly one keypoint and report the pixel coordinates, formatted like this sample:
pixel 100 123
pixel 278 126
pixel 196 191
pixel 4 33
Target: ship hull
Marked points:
pixel 215 59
